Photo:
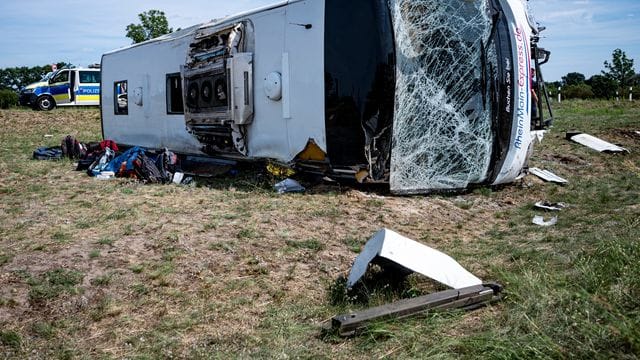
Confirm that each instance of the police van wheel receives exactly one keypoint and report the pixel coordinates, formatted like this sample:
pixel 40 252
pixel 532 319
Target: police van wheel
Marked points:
pixel 45 103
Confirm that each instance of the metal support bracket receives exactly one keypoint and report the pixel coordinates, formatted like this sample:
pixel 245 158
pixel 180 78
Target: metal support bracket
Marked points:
pixel 468 298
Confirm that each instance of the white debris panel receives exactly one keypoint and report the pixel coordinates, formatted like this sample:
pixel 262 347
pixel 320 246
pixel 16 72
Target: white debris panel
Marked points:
pixel 442 135
pixel 595 143
pixel 413 256
pixel 547 175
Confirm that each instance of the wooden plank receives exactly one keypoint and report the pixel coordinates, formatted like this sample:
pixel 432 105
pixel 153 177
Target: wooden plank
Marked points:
pixel 347 324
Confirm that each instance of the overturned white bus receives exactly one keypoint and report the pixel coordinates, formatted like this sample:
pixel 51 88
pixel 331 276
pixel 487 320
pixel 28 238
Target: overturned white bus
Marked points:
pixel 426 95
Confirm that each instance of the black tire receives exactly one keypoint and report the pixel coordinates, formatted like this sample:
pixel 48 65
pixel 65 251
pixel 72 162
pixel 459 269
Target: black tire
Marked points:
pixel 45 103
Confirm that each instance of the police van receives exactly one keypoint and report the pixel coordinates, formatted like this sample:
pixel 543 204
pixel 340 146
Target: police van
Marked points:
pixel 65 87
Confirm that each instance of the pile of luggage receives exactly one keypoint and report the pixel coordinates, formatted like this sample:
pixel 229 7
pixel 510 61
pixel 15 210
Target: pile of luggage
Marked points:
pixel 104 160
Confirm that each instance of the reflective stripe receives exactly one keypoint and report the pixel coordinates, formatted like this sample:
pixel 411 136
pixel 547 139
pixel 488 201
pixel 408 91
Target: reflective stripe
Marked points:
pixel 87 97
pixel 61 97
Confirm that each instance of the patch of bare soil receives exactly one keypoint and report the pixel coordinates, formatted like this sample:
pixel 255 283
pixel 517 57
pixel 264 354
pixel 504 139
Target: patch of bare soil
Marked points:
pixel 629 134
pixel 567 160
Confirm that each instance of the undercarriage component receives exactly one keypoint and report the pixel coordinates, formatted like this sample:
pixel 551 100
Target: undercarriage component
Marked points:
pixel 468 298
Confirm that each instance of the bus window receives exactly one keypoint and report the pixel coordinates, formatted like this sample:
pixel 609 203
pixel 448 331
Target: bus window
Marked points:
pixel 121 100
pixel 174 94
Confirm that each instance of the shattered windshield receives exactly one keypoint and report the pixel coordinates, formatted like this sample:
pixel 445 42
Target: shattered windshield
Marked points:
pixel 442 134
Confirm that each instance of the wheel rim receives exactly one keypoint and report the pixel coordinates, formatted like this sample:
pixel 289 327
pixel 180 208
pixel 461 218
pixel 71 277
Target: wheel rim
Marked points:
pixel 45 103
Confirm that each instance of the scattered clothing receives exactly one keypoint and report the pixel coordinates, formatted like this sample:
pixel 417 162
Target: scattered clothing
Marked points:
pixel 48 153
pixel 103 161
pixel 108 144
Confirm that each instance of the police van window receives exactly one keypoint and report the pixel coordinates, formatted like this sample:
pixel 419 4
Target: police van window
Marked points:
pixel 174 94
pixel 62 76
pixel 89 77
pixel 121 100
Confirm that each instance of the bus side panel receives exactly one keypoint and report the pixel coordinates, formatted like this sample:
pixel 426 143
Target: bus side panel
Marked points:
pixel 146 122
pixel 286 45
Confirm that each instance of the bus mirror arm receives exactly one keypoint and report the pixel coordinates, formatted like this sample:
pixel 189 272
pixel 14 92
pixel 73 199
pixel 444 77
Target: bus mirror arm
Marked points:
pixel 542 55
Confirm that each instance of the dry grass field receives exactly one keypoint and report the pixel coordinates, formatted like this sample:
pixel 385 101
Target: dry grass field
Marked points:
pixel 227 268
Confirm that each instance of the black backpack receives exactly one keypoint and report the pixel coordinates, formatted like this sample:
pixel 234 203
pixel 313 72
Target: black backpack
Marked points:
pixel 146 170
pixel 72 148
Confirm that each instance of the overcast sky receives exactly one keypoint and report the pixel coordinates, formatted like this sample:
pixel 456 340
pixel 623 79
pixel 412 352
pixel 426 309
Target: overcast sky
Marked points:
pixel 581 34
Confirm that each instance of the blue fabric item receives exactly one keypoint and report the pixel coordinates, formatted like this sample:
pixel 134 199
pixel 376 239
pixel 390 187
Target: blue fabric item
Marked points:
pixel 103 162
pixel 129 156
pixel 48 153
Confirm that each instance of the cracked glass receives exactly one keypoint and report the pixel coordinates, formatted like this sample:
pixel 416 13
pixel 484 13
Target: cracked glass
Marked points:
pixel 442 133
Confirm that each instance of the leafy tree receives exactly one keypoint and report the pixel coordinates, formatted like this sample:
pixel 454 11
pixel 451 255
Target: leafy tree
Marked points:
pixel 17 77
pixel 153 23
pixel 620 69
pixel 552 87
pixel 574 78
pixel 8 98
pixel 602 86
pixel 580 91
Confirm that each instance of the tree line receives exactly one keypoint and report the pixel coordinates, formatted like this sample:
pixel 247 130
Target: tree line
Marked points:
pixel 615 80
pixel 15 78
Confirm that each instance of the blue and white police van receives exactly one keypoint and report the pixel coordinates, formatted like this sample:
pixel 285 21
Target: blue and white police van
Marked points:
pixel 65 87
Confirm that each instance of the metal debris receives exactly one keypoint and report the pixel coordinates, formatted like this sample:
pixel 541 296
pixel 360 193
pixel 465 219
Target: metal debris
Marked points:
pixel 550 206
pixel 467 298
pixel 288 186
pixel 547 175
pixel 539 220
pixel 413 256
pixel 390 249
pixel 177 178
pixel 594 143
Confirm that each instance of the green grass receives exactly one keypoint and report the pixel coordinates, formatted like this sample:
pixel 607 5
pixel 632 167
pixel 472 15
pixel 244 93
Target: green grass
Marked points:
pixel 310 244
pixel 227 269
pixel 53 283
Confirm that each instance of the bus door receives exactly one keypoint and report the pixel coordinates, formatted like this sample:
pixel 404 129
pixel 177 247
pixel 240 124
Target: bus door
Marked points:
pixel 59 87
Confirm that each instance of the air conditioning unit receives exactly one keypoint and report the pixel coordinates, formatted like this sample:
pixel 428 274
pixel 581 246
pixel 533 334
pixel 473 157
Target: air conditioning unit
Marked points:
pixel 208 92
pixel 221 92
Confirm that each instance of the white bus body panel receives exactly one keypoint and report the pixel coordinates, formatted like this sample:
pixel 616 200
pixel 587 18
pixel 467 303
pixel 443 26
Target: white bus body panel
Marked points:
pixel 279 130
pixel 521 138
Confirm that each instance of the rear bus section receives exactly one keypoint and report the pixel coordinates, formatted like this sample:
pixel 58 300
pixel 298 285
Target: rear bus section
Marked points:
pixel 426 95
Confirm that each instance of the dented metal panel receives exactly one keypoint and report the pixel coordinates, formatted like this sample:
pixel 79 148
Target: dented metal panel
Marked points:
pixel 411 255
pixel 240 66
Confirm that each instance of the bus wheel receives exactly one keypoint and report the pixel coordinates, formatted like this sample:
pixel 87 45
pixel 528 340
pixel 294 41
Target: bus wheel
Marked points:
pixel 45 103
